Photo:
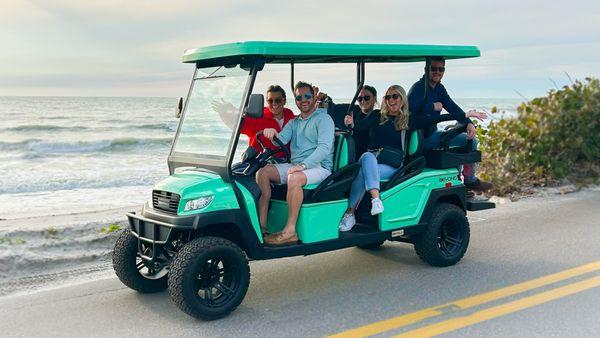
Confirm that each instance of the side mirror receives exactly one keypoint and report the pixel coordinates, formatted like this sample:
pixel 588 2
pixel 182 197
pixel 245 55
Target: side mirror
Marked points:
pixel 256 105
pixel 179 107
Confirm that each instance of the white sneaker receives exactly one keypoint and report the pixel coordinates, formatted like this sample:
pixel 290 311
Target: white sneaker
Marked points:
pixel 376 206
pixel 347 222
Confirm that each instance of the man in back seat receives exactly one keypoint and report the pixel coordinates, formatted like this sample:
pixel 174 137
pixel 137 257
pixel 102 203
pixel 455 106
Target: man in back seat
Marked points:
pixel 426 107
pixel 311 137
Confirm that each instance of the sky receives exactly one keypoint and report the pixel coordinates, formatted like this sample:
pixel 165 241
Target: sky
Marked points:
pixel 134 48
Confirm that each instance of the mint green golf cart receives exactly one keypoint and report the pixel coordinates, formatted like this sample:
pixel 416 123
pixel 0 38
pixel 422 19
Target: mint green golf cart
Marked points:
pixel 200 228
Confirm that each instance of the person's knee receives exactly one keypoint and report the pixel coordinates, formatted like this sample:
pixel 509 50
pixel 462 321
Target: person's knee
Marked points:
pixel 296 180
pixel 475 143
pixel 266 174
pixel 261 175
pixel 368 156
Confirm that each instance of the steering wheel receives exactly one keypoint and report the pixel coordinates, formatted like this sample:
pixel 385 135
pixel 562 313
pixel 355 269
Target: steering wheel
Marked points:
pixel 269 154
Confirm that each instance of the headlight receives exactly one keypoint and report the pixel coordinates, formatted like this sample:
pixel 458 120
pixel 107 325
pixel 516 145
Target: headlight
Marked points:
pixel 198 203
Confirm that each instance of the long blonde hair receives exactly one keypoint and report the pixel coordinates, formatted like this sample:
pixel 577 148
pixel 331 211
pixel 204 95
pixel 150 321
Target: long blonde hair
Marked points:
pixel 401 120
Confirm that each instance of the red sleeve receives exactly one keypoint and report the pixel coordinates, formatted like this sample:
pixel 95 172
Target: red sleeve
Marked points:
pixel 249 127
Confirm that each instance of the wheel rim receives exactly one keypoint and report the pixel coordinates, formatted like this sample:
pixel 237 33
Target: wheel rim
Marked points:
pixel 450 238
pixel 149 270
pixel 216 282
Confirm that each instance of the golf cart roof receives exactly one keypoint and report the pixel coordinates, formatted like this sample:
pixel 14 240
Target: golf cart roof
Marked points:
pixel 317 52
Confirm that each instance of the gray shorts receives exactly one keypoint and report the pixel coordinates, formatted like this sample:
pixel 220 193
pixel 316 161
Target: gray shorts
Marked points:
pixel 313 175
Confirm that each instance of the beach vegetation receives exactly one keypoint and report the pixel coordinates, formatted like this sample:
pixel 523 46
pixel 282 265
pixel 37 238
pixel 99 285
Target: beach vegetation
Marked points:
pixel 110 228
pixel 552 139
pixel 50 231
pixel 6 240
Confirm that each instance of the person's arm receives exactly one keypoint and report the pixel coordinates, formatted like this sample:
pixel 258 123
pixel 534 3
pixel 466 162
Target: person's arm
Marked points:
pixel 452 108
pixel 325 136
pixel 227 112
pixel 285 135
pixel 368 122
pixel 422 121
pixel 249 126
pixel 420 117
pixel 416 98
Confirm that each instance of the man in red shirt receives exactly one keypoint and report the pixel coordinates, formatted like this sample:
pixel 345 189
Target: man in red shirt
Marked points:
pixel 275 116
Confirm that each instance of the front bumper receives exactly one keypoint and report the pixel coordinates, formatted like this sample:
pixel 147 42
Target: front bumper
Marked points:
pixel 151 231
pixel 158 228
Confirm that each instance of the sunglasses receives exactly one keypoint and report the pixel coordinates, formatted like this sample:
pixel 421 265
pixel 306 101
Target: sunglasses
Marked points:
pixel 366 98
pixel 393 96
pixel 438 69
pixel 277 100
pixel 307 96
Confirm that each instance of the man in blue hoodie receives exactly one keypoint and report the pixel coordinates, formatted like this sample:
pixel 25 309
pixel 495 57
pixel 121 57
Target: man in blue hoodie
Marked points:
pixel 426 107
pixel 311 137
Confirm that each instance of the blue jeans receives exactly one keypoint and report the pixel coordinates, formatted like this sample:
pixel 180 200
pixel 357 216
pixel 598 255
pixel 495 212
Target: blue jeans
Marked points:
pixel 433 141
pixel 368 177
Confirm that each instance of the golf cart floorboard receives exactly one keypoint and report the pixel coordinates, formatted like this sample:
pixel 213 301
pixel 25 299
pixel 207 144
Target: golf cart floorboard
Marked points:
pixel 359 235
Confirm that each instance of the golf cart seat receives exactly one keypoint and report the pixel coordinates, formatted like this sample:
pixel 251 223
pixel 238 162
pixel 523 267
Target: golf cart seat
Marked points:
pixel 451 157
pixel 336 185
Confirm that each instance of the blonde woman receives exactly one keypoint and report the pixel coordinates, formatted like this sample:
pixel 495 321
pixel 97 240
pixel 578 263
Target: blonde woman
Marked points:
pixel 388 133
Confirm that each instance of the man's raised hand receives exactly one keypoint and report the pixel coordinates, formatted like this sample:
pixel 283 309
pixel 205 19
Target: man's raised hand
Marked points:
pixel 476 114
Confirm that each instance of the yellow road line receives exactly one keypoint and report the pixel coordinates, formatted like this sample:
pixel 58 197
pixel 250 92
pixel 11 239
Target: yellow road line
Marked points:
pixel 466 303
pixel 501 310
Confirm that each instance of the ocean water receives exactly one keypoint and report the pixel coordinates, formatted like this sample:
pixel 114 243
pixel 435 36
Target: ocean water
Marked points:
pixel 63 155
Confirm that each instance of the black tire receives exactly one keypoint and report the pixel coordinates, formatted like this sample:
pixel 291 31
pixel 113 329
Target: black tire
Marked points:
pixel 371 246
pixel 446 239
pixel 132 271
pixel 209 278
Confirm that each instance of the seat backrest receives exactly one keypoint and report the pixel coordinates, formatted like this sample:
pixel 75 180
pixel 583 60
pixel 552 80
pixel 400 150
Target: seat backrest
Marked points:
pixel 414 145
pixel 344 150
pixel 339 111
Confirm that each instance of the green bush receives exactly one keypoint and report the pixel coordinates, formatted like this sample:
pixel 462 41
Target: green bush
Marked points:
pixel 552 138
pixel 111 228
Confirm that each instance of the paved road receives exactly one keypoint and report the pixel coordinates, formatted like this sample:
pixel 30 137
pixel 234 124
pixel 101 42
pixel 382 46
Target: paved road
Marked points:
pixel 532 269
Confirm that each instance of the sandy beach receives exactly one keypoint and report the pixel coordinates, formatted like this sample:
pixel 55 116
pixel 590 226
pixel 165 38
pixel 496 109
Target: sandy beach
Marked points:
pixel 42 251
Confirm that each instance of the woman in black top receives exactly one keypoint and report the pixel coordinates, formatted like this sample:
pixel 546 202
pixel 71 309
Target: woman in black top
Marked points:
pixel 369 116
pixel 387 133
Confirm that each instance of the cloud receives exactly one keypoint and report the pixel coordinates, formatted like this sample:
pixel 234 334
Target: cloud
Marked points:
pixel 66 43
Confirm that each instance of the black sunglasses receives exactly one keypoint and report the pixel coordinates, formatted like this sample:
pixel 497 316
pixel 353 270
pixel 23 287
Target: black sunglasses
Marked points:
pixel 307 96
pixel 366 98
pixel 438 69
pixel 277 100
pixel 393 96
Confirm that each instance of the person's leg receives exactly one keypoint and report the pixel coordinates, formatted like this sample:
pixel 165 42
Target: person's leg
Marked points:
pixel 468 170
pixel 371 173
pixel 294 198
pixel 433 141
pixel 386 171
pixel 357 191
pixel 373 177
pixel 264 177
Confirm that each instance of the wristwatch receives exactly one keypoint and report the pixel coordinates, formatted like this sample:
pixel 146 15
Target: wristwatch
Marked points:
pixel 303 166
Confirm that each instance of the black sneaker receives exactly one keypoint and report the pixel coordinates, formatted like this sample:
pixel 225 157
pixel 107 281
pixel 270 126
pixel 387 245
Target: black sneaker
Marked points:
pixel 479 185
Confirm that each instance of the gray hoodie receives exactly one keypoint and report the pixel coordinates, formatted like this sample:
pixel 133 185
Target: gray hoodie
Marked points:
pixel 311 139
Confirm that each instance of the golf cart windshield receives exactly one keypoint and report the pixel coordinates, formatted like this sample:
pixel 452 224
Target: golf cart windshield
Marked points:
pixel 211 115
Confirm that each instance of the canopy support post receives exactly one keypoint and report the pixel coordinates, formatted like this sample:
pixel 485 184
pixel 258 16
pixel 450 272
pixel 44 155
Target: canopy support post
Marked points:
pixel 292 77
pixel 360 81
